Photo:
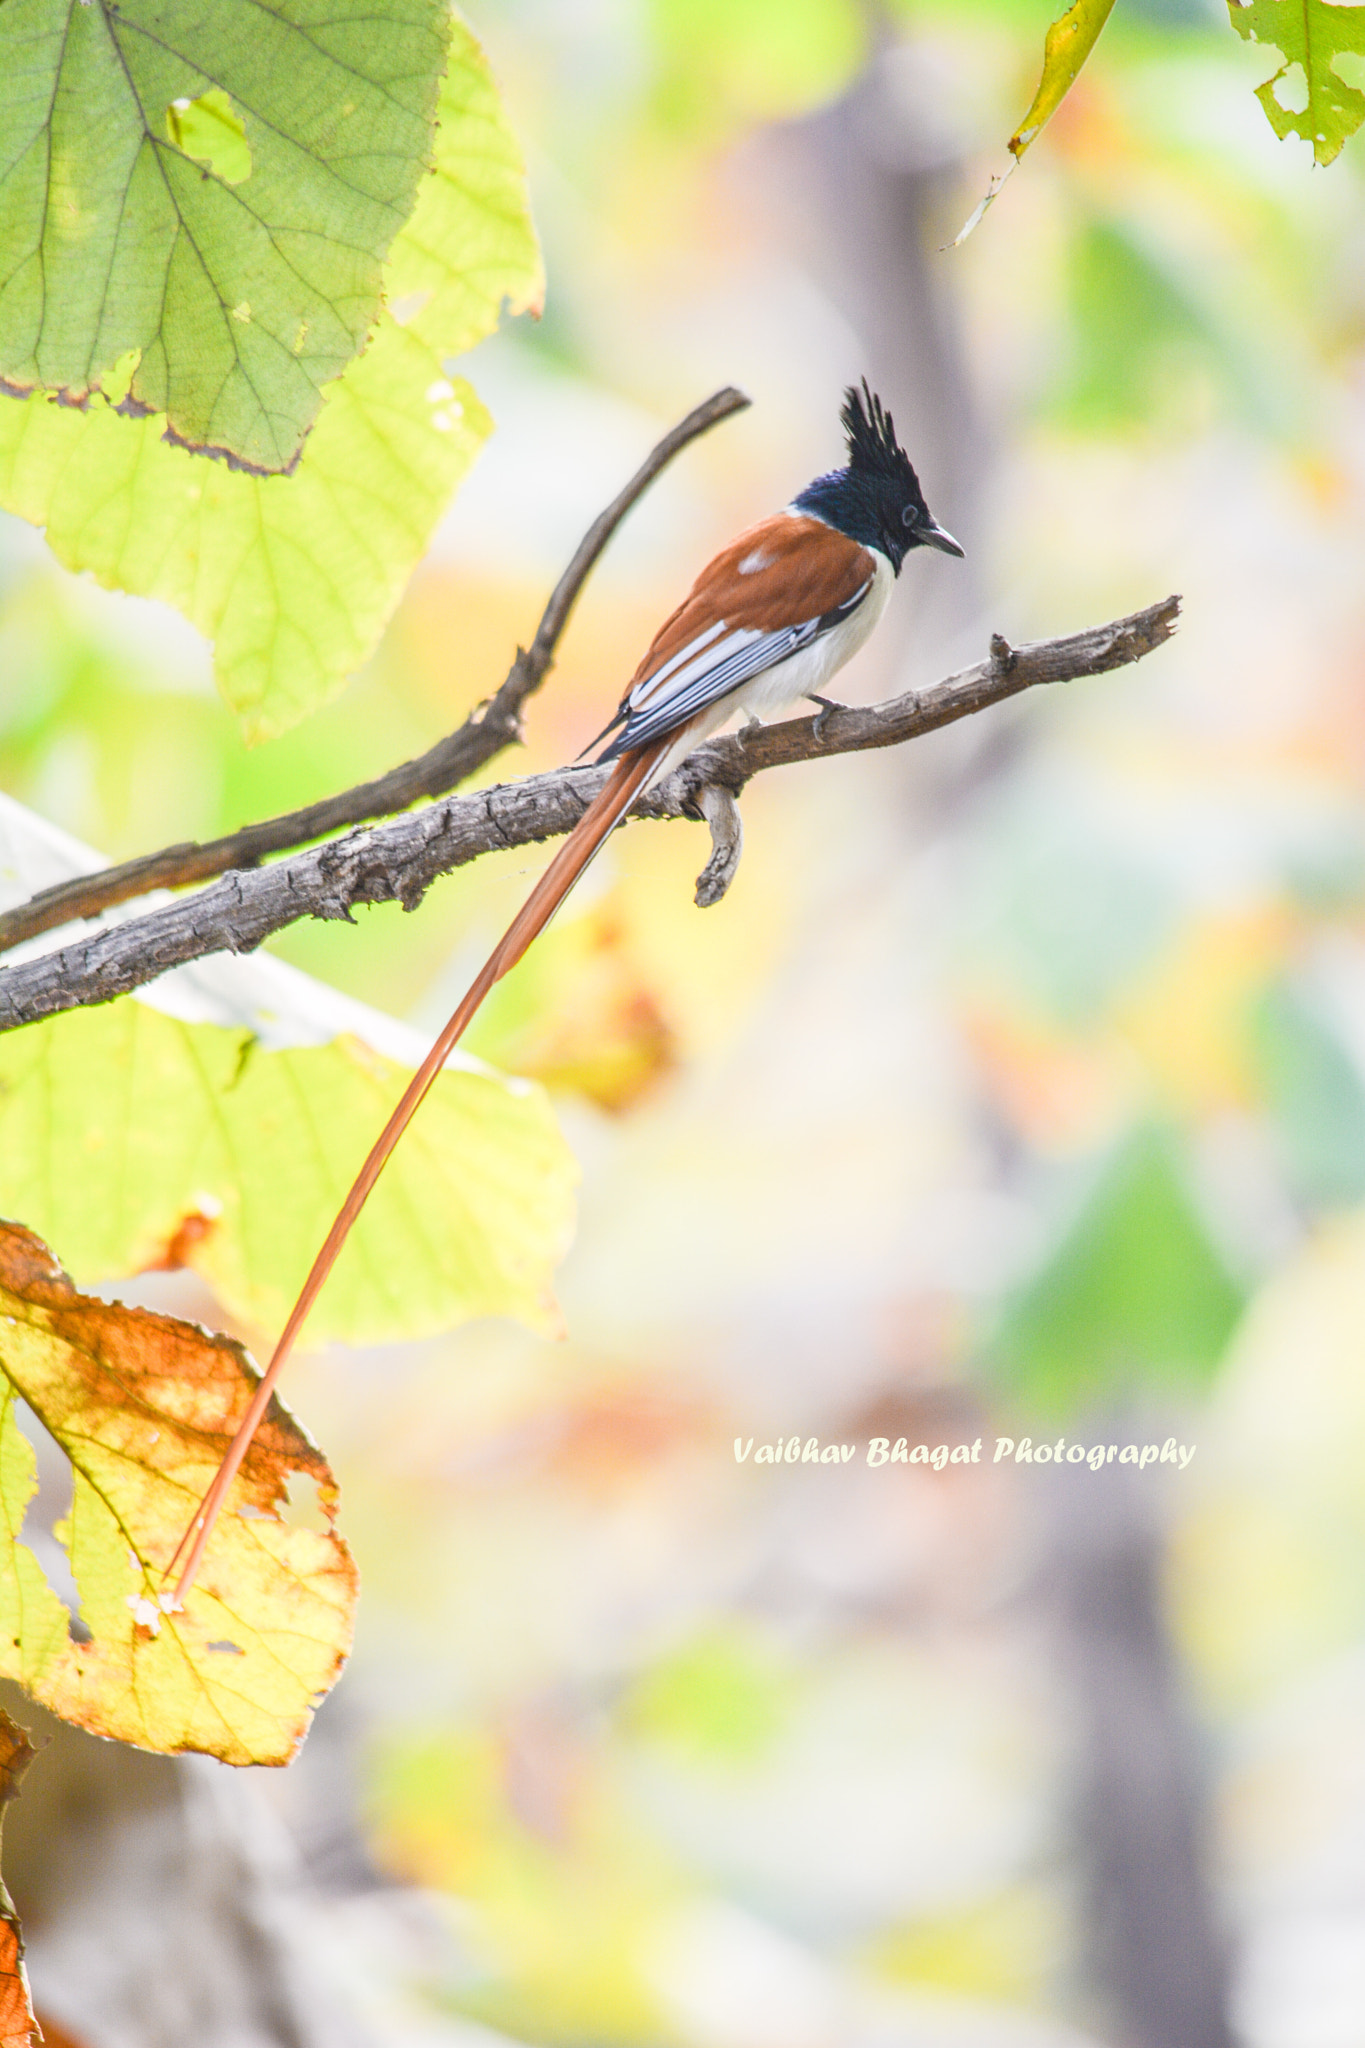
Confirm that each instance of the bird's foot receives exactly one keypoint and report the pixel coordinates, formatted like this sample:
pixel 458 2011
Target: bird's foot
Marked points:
pixel 827 704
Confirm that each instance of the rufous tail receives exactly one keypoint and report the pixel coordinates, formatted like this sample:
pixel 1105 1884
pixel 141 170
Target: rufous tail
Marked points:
pixel 629 776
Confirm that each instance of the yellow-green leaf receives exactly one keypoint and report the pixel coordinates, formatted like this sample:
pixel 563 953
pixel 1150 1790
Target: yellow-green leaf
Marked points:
pixel 293 577
pixel 1311 35
pixel 211 192
pixel 210 130
pixel 128 1138
pixel 144 1407
pixel 1069 42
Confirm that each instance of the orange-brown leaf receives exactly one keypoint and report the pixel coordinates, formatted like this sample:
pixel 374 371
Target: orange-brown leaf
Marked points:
pixel 17 2024
pixel 144 1406
pixel 584 1017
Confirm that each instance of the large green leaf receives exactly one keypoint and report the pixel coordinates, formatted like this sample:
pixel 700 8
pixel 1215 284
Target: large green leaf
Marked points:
pixel 1311 34
pixel 144 1405
pixel 128 1137
pixel 1135 1299
pixel 210 190
pixel 293 577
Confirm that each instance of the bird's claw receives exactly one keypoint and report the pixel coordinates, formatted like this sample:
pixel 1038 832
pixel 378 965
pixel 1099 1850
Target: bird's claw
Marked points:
pixel 827 704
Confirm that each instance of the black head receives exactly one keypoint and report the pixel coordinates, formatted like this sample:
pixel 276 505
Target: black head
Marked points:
pixel 877 499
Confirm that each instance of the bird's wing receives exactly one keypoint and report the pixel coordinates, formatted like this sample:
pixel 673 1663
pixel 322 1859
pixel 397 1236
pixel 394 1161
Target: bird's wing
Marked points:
pixel 771 592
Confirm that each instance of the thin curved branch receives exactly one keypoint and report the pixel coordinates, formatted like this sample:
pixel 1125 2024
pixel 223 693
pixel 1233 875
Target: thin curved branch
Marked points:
pixel 490 726
pixel 721 812
pixel 399 861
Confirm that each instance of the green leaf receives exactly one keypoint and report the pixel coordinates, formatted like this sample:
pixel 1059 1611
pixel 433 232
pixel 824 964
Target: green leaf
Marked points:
pixel 721 1697
pixel 294 577
pixel 1315 1096
pixel 1137 326
pixel 129 1139
pixel 1311 35
pixel 718 65
pixel 1069 42
pixel 209 130
pixel 1135 1297
pixel 214 189
pixel 143 1406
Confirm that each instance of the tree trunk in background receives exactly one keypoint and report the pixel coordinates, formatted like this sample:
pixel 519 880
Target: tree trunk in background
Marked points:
pixel 163 1904
pixel 1149 1943
pixel 874 186
pixel 866 184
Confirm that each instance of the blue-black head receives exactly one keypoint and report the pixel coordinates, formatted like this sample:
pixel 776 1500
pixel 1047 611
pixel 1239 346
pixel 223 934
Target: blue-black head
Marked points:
pixel 876 499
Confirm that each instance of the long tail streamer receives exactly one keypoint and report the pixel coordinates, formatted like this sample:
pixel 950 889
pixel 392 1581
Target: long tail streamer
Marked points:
pixel 630 775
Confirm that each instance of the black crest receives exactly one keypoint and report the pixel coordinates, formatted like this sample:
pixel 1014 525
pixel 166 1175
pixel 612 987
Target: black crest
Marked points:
pixel 876 499
pixel 872 445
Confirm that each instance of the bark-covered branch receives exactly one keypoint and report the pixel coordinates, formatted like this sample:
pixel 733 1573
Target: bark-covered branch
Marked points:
pixel 490 726
pixel 399 861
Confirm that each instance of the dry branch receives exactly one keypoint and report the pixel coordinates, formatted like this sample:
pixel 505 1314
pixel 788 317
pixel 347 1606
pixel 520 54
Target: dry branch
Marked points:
pixel 399 861
pixel 490 726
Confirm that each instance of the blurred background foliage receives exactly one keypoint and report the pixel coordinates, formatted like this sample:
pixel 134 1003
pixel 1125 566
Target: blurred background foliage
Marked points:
pixel 1018 1086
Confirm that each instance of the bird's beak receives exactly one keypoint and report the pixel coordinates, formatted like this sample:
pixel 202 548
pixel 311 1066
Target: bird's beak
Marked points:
pixel 932 535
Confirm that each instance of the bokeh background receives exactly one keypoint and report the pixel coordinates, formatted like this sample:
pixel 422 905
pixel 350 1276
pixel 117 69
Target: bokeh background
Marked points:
pixel 1017 1089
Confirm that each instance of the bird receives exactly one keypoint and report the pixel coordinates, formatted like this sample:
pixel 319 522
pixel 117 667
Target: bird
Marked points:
pixel 767 623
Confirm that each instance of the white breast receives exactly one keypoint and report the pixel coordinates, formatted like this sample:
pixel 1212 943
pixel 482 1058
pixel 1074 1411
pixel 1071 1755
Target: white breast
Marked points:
pixel 776 689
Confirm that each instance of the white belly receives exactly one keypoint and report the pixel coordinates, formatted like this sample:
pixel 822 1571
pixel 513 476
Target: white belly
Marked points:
pixel 778 688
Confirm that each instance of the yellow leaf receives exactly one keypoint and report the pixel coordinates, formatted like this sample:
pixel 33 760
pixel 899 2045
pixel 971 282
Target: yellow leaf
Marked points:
pixel 1189 1020
pixel 1070 40
pixel 145 1406
pixel 585 1018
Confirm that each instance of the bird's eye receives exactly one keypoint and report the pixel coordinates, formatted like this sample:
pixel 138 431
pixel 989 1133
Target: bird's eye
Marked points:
pixel 908 516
